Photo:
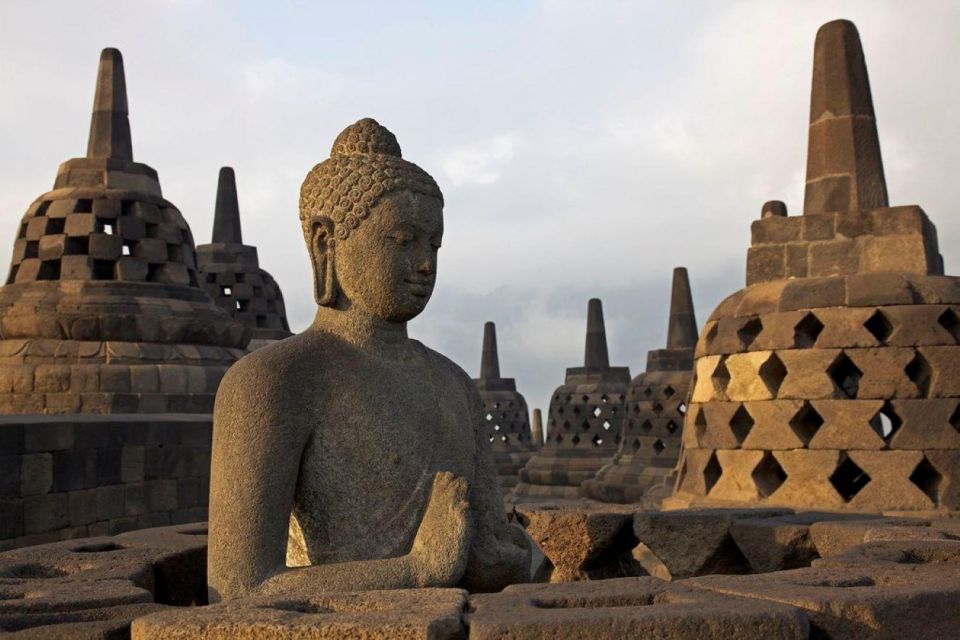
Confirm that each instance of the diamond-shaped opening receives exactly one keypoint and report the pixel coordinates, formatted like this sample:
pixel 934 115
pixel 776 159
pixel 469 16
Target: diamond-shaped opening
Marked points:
pixel 559 438
pixel 560 410
pixel 712 472
pixel 806 423
pixel 658 446
pixel 700 424
pixel 491 438
pixel 768 475
pixel 585 425
pixel 496 427
pixel 927 479
pixel 711 334
pixel 566 425
pixel 951 322
pixel 886 422
pixel 606 425
pixel 504 437
pixel 668 391
pixel 955 418
pixel 636 445
pixel 721 376
pixel 920 373
pixel 806 332
pixel 672 427
pixel 585 398
pixel 604 399
pixel 647 425
pixel 879 326
pixel 848 479
pixel 648 392
pixel 682 409
pixel 741 423
pixel 636 408
pixel 576 410
pixel 597 411
pixel 749 332
pixel 657 408
pixel 597 440
pixel 575 440
pixel 489 417
pixel 772 373
pixel 845 375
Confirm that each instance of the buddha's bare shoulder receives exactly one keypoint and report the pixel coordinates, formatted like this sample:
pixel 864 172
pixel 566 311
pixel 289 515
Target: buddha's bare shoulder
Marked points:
pixel 274 373
pixel 447 366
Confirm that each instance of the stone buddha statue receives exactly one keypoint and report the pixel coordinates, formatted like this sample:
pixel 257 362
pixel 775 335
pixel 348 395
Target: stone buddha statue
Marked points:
pixel 349 457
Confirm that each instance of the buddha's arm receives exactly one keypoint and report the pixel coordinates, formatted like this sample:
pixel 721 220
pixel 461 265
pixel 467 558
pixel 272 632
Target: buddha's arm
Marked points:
pixel 254 464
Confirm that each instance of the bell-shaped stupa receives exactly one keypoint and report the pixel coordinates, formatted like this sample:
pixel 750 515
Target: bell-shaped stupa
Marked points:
pixel 655 408
pixel 230 272
pixel 506 420
pixel 102 312
pixel 584 422
pixel 830 382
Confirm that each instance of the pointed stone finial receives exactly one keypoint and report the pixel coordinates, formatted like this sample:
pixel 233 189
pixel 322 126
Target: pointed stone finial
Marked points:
pixel 844 166
pixel 596 356
pixel 536 429
pixel 226 216
pixel 109 126
pixel 489 361
pixel 682 330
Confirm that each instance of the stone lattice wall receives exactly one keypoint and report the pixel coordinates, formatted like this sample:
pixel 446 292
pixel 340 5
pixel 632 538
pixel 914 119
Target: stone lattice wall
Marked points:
pixel 95 475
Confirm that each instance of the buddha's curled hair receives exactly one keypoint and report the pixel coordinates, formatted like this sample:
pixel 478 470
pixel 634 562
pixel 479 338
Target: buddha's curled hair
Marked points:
pixel 365 163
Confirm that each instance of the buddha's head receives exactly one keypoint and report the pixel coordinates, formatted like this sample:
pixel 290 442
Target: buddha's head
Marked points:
pixel 373 223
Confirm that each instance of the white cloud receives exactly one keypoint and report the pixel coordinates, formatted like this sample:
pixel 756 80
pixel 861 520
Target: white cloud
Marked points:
pixel 480 163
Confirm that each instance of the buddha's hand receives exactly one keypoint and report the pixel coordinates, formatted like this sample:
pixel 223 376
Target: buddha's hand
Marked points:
pixel 442 546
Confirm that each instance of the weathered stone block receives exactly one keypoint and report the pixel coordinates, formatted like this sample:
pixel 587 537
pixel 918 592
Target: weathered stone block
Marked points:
pixel 132 464
pixel 82 507
pixel 74 469
pixel 833 258
pixel 55 436
pixel 45 513
pixel 36 473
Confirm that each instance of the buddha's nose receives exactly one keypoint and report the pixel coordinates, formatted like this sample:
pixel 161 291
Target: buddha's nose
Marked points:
pixel 427 266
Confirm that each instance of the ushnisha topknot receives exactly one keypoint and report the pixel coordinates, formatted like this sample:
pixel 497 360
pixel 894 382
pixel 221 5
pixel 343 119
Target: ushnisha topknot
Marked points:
pixel 365 164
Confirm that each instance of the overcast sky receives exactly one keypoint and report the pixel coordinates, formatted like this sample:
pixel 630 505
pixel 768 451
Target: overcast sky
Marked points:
pixel 584 148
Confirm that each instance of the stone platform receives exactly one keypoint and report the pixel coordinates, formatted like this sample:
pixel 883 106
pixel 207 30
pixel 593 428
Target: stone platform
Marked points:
pixel 713 573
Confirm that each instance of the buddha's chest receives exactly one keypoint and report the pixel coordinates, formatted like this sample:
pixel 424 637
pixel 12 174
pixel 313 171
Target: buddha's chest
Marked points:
pixel 382 438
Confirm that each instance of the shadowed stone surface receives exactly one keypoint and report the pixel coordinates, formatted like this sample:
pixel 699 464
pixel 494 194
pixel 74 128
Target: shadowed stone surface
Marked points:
pixel 230 272
pixel 349 457
pixel 829 381
pixel 627 608
pixel 643 469
pixel 505 421
pixel 584 422
pixel 428 614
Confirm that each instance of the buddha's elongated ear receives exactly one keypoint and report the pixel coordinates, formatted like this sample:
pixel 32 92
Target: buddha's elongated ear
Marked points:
pixel 322 246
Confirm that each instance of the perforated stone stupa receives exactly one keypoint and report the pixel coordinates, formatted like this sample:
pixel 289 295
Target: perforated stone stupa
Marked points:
pixel 102 312
pixel 833 379
pixel 655 408
pixel 506 420
pixel 231 273
pixel 584 421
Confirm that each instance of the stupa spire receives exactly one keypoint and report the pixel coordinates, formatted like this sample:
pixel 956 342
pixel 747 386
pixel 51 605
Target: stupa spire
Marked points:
pixel 682 330
pixel 536 429
pixel 226 216
pixel 595 355
pixel 109 125
pixel 844 166
pixel 489 361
